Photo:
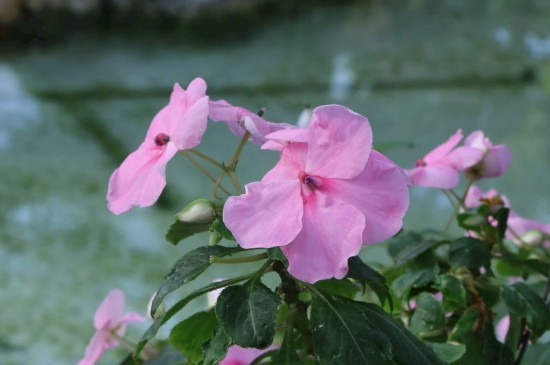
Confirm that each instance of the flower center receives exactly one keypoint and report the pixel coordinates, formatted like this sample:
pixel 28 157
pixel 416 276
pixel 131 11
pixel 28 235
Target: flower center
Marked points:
pixel 161 139
pixel 420 163
pixel 310 181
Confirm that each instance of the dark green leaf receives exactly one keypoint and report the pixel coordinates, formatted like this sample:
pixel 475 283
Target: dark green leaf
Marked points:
pixel 496 353
pixel 180 230
pixel 216 349
pixel 287 353
pixel 469 252
pixel 219 227
pixel 350 332
pixel 454 293
pixel 276 254
pixel 447 352
pixel 415 276
pixel 472 221
pixel 366 275
pixel 189 335
pixel 247 313
pixel 167 356
pixel 502 217
pixel 465 334
pixel 524 302
pixel 537 354
pixel 409 245
pixel 428 315
pixel 188 268
pixel 129 360
pixel 341 287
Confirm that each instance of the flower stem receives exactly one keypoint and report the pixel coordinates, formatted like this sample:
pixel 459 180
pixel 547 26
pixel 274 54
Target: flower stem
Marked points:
pixel 238 260
pixel 207 158
pixel 205 172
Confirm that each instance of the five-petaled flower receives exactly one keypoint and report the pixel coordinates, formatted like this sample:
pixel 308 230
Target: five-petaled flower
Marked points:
pixel 180 125
pixel 440 167
pixel 495 160
pixel 324 198
pixel 110 324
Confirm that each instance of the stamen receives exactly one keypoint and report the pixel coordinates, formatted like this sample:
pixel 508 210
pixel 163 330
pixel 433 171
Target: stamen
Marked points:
pixel 310 181
pixel 161 139
pixel 420 163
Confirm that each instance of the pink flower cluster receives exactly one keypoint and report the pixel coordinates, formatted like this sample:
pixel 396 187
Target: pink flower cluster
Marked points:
pixel 479 158
pixel 329 194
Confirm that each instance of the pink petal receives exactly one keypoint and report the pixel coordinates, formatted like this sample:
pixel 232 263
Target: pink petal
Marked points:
pixel 443 149
pixel 462 157
pixel 496 161
pixel 110 310
pixel 339 142
pixel 237 355
pixel 435 176
pixel 477 140
pixel 190 130
pixel 502 328
pixel 330 235
pixel 131 317
pixel 472 197
pixel 268 215
pixel 290 165
pixel 98 344
pixel 196 90
pixel 380 192
pixel 279 139
pixel 140 178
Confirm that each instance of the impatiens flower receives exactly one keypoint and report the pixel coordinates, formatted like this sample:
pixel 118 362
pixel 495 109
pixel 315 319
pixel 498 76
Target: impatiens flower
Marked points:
pixel 239 120
pixel 496 159
pixel 440 167
pixel 179 126
pixel 237 355
pixel 110 324
pixel 324 198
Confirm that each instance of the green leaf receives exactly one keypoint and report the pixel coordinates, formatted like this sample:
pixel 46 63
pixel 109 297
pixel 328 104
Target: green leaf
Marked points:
pixel 247 313
pixel 465 334
pixel 287 353
pixel 454 293
pixel 415 276
pixel 409 245
pixel 366 275
pixel 215 350
pixel 428 315
pixel 350 332
pixel 167 356
pixel 447 352
pixel 219 227
pixel 188 268
pixel 502 217
pixel 524 302
pixel 469 252
pixel 276 254
pixel 180 230
pixel 497 353
pixel 537 354
pixel 189 335
pixel 341 287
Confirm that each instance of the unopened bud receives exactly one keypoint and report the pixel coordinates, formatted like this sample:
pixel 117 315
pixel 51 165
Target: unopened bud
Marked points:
pixel 198 211
pixel 533 237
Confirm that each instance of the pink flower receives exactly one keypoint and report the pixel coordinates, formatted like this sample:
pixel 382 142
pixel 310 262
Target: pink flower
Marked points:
pixel 496 159
pixel 440 167
pixel 324 198
pixel 239 120
pixel 110 325
pixel 502 327
pixel 179 126
pixel 237 355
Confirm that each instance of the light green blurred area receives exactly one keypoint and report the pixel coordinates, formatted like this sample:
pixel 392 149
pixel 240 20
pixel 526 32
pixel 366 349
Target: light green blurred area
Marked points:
pixel 69 112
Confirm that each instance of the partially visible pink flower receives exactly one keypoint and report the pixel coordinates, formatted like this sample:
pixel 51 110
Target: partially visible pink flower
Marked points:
pixel 502 327
pixel 237 355
pixel 180 125
pixel 475 197
pixel 110 324
pixel 324 198
pixel 239 120
pixel 496 159
pixel 440 167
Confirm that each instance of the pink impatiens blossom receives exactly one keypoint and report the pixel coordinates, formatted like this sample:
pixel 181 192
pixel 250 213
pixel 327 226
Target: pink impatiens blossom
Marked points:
pixel 110 324
pixel 239 120
pixel 237 355
pixel 440 167
pixel 324 198
pixel 180 125
pixel 496 159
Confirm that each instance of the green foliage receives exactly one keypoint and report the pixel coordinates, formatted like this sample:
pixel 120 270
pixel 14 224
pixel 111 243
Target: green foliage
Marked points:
pixel 366 275
pixel 179 230
pixel 215 350
pixel 428 318
pixel 447 352
pixel 219 227
pixel 454 293
pixel 247 313
pixel 190 334
pixel 469 252
pixel 188 268
pixel 366 334
pixel 524 302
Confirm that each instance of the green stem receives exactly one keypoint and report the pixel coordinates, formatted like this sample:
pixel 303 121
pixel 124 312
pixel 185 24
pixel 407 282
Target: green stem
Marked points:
pixel 238 151
pixel 238 260
pixel 207 158
pixel 205 172
pixel 235 181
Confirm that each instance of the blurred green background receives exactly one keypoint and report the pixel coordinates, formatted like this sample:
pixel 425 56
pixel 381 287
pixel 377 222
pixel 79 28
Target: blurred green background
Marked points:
pixel 81 80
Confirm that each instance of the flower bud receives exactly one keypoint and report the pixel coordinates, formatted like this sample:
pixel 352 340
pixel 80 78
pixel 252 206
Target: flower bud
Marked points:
pixel 533 237
pixel 198 211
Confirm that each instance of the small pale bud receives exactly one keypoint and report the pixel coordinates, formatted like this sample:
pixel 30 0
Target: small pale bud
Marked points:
pixel 533 237
pixel 198 211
